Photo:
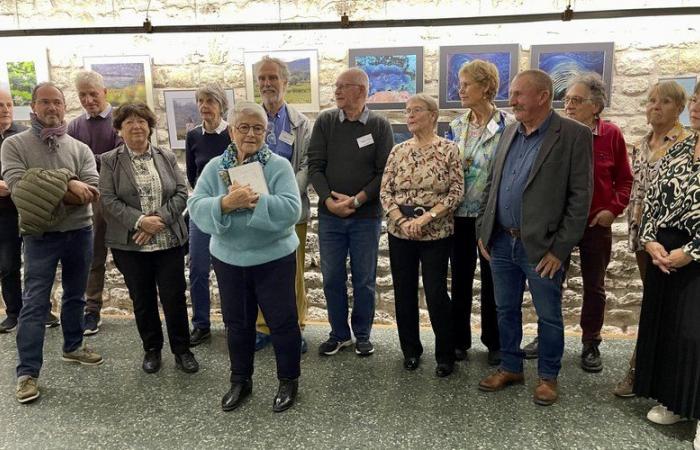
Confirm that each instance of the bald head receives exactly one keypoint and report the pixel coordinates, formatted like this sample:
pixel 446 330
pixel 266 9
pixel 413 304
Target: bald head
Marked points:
pixel 6 106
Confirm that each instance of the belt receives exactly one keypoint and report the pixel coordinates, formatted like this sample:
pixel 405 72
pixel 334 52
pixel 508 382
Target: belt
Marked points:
pixel 512 232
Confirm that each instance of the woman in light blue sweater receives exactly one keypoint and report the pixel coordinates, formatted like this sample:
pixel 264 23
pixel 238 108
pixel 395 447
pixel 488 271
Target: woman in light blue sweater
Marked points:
pixel 253 246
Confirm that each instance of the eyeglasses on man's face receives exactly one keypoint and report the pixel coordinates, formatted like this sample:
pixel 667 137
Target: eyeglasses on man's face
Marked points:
pixel 245 128
pixel 416 110
pixel 344 86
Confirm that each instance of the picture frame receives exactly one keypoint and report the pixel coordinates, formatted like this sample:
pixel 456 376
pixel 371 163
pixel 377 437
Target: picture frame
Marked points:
pixel 452 58
pixel 182 114
pixel 401 133
pixel 302 88
pixel 20 72
pixel 127 78
pixel 688 84
pixel 395 74
pixel 563 62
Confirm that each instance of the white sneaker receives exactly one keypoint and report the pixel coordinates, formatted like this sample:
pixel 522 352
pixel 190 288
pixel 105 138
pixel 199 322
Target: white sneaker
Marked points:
pixel 696 442
pixel 661 415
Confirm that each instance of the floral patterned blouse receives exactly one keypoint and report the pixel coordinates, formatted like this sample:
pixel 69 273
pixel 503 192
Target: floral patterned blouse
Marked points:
pixel 150 192
pixel 644 167
pixel 423 176
pixel 673 200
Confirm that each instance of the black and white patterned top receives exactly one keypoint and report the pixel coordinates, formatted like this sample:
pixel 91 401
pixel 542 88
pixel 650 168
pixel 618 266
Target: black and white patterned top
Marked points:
pixel 673 199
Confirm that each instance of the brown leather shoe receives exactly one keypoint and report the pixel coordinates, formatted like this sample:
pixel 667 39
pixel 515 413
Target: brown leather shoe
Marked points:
pixel 499 380
pixel 546 392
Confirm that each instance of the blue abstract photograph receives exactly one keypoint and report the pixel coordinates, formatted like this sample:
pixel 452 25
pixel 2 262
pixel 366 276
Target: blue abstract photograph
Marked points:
pixel 401 133
pixel 456 60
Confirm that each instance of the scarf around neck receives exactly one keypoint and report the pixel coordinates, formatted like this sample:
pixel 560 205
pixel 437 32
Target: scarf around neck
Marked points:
pixel 228 160
pixel 48 134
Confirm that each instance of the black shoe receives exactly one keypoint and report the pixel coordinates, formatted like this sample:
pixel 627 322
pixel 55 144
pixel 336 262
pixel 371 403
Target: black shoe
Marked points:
pixel 411 363
pixel 151 361
pixel 590 359
pixel 199 335
pixel 52 321
pixel 235 396
pixel 186 362
pixel 286 395
pixel 532 349
pixel 461 355
pixel 364 348
pixel 442 370
pixel 8 324
pixel 494 357
pixel 331 347
pixel 92 323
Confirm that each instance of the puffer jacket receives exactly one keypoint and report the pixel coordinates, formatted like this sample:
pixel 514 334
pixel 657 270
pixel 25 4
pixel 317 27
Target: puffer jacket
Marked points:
pixel 38 197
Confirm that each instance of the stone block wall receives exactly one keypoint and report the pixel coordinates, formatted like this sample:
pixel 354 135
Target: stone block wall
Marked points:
pixel 645 49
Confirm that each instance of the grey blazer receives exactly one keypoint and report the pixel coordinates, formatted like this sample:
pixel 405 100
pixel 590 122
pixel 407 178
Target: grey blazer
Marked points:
pixel 301 130
pixel 120 197
pixel 557 193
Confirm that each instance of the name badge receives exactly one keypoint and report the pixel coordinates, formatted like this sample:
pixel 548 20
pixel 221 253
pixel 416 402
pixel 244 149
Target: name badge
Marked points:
pixel 492 127
pixel 365 140
pixel 287 138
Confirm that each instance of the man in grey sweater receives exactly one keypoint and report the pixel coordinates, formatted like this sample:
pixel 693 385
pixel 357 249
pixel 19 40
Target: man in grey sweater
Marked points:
pixel 68 240
pixel 347 154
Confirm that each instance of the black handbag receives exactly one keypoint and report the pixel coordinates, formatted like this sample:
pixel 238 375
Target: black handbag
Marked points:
pixel 413 211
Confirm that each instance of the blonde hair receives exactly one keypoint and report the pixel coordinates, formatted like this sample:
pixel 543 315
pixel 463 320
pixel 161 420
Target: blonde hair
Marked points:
pixel 484 73
pixel 669 89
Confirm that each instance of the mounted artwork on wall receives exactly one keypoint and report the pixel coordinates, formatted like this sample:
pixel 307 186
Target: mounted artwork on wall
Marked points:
pixel 20 71
pixel 127 78
pixel 302 86
pixel 182 114
pixel 688 84
pixel 401 132
pixel 563 62
pixel 395 74
pixel 452 58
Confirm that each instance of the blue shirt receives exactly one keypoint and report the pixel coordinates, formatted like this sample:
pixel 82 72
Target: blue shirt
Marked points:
pixel 516 170
pixel 279 122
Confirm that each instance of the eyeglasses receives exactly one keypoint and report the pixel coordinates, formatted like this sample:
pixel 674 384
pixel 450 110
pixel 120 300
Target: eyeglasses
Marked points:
pixel 416 110
pixel 270 137
pixel 244 128
pixel 575 100
pixel 343 86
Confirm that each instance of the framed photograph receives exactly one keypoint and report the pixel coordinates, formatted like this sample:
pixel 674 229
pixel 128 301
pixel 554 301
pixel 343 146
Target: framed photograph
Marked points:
pixel 401 132
pixel 688 84
pixel 443 128
pixel 302 86
pixel 20 71
pixel 452 58
pixel 127 78
pixel 563 62
pixel 182 114
pixel 395 74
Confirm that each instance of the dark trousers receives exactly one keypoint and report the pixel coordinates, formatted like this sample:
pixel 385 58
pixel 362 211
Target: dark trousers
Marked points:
pixel 269 286
pixel 10 262
pixel 150 275
pixel 463 265
pixel 96 277
pixel 595 248
pixel 405 256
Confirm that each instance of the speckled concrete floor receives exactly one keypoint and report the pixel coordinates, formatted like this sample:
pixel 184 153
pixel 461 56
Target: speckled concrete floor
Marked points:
pixel 345 402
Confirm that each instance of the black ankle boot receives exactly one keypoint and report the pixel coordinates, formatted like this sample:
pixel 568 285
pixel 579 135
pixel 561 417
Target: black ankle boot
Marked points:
pixel 234 397
pixel 286 395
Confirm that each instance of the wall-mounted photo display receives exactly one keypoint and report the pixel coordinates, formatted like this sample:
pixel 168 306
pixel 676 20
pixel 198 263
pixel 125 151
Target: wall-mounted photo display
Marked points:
pixel 302 86
pixel 688 84
pixel 395 74
pixel 182 113
pixel 401 133
pixel 563 62
pixel 20 71
pixel 127 78
pixel 452 58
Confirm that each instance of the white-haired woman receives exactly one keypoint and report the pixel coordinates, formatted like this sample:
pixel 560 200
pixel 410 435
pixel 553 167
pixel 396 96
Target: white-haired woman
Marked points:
pixel 253 252
pixel 203 143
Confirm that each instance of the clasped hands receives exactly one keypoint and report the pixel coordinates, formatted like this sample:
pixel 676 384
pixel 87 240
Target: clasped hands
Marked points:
pixel 341 205
pixel 80 193
pixel 413 227
pixel 239 197
pixel 665 261
pixel 148 227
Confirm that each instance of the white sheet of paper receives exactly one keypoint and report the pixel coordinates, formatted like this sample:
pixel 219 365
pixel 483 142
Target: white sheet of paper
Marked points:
pixel 365 140
pixel 492 127
pixel 252 174
pixel 287 138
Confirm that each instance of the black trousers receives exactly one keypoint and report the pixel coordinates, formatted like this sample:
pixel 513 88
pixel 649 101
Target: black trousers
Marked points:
pixel 10 261
pixel 405 256
pixel 465 251
pixel 150 275
pixel 269 286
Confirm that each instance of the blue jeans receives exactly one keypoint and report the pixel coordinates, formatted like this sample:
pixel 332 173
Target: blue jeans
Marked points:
pixel 360 238
pixel 510 269
pixel 41 257
pixel 200 263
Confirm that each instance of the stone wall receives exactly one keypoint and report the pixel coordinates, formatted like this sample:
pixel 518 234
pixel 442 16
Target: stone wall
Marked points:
pixel 645 49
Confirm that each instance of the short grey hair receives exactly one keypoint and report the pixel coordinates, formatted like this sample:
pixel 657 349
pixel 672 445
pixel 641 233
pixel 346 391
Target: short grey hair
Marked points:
pixel 596 87
pixel 89 78
pixel 541 80
pixel 216 92
pixel 359 76
pixel 46 84
pixel 246 109
pixel 282 66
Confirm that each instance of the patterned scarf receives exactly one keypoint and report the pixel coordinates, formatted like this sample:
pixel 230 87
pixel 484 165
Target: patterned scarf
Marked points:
pixel 46 134
pixel 229 160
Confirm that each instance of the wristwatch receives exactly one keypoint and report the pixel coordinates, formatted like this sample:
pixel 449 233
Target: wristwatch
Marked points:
pixel 356 203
